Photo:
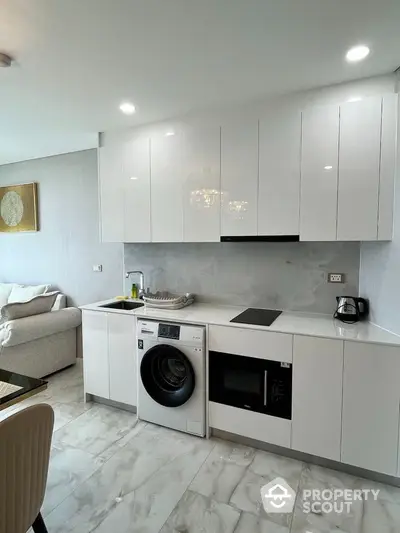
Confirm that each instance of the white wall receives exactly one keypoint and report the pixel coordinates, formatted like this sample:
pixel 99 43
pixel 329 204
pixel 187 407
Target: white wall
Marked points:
pixel 380 270
pixel 67 246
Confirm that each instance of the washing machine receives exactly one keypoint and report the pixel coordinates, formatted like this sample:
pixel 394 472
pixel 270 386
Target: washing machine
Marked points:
pixel 172 375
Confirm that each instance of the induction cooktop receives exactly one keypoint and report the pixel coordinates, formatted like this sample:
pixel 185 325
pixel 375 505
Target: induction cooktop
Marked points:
pixel 257 317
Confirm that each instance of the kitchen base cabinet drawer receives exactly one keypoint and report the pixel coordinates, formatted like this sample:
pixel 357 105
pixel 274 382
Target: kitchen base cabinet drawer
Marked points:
pixel 251 343
pixel 249 424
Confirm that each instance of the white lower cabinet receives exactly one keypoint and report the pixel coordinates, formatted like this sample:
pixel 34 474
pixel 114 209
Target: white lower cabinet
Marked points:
pixel 249 424
pixel 371 398
pixel 95 353
pixel 109 356
pixel 122 358
pixel 317 396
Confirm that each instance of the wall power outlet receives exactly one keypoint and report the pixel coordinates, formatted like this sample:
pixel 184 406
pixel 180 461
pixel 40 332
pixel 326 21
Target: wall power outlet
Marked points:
pixel 335 278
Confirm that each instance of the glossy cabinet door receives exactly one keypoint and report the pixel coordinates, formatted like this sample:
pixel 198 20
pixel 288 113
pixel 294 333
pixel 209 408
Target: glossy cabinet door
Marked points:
pixel 319 173
pixel 371 396
pixel 136 190
pixel 201 159
pixel 95 353
pixel 239 176
pixel 122 358
pixel 317 396
pixel 167 178
pixel 359 159
pixel 111 196
pixel 279 179
pixel 387 166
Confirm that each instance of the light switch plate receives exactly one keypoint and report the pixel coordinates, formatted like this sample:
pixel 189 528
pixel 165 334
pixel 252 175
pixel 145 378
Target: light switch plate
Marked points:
pixel 97 268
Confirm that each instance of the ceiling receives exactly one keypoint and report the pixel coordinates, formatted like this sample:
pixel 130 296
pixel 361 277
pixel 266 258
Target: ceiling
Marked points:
pixel 77 60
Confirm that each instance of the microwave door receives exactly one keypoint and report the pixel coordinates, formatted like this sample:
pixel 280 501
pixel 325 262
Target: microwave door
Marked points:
pixel 238 381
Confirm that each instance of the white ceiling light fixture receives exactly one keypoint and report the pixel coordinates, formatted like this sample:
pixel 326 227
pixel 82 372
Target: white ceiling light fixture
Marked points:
pixel 5 60
pixel 328 167
pixel 355 99
pixel 170 133
pixel 134 177
pixel 357 53
pixel 127 108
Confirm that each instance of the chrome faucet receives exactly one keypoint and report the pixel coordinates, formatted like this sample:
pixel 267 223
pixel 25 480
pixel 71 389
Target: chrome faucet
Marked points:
pixel 141 281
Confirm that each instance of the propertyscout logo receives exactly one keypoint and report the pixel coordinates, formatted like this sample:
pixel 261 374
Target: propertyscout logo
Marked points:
pixel 279 497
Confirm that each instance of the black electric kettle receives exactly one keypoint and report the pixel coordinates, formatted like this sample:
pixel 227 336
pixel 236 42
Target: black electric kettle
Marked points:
pixel 351 309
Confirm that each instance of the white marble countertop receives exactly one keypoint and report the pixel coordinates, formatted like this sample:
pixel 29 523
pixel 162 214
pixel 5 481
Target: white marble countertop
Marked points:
pixel 315 325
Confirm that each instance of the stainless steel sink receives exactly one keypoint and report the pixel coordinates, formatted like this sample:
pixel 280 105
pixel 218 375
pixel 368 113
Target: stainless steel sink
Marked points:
pixel 123 304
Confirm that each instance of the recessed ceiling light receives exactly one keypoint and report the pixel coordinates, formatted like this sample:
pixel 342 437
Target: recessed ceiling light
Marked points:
pixel 357 53
pixel 355 99
pixel 328 167
pixel 169 133
pixel 5 60
pixel 127 108
pixel 134 178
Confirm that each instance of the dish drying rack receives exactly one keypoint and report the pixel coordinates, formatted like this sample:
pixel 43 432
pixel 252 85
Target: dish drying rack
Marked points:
pixel 168 300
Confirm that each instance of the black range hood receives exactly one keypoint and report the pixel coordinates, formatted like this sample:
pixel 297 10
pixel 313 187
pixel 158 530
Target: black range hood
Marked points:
pixel 261 238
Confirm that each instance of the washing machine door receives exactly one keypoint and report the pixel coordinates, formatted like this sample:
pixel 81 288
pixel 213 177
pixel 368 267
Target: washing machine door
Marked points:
pixel 167 375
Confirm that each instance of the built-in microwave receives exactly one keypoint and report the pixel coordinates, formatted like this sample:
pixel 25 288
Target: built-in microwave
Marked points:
pixel 248 383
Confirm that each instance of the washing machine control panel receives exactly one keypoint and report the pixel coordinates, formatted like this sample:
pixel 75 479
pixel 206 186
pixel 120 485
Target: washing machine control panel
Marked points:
pixel 169 331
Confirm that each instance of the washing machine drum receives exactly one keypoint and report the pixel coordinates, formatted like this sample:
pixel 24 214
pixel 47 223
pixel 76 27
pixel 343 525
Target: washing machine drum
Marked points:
pixel 167 375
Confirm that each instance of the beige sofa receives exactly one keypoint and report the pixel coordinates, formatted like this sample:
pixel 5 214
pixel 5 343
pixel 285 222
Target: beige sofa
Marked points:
pixel 41 344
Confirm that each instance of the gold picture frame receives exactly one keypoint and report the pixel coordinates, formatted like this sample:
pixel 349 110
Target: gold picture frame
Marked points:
pixel 19 208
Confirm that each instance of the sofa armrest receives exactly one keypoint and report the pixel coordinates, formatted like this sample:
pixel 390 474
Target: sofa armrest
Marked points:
pixel 60 303
pixel 27 329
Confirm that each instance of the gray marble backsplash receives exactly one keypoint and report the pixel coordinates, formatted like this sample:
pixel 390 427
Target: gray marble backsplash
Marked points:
pixel 291 276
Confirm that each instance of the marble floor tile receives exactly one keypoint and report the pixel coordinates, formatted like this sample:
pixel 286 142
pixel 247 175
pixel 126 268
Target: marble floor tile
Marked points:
pixel 69 467
pixel 329 477
pixel 250 523
pixel 96 429
pixel 321 521
pixel 140 484
pixel 221 473
pixel 247 497
pixel 198 514
pixel 380 516
pixel 67 386
pixel 270 466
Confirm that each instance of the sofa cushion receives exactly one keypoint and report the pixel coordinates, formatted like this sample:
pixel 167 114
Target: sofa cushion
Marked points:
pixel 35 306
pixel 23 293
pixel 5 291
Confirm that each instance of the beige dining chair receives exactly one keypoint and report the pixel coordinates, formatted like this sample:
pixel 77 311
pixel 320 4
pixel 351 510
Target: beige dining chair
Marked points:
pixel 25 441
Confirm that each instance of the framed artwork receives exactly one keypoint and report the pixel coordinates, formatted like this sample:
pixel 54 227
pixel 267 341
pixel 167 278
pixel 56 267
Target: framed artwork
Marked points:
pixel 19 208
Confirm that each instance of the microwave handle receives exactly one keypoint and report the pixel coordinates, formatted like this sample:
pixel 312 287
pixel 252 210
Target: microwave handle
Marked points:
pixel 265 387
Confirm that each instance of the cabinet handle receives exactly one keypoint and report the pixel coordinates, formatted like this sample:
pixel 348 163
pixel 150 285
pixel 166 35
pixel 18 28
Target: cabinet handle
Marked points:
pixel 265 387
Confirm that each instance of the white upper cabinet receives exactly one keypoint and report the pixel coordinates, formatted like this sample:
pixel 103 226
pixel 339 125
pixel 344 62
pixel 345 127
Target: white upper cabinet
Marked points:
pixel 359 159
pixel 325 174
pixel 387 167
pixel 167 177
pixel 185 185
pixel 201 157
pixel 111 196
pixel 279 179
pixel 124 183
pixel 239 176
pixel 136 190
pixel 319 173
